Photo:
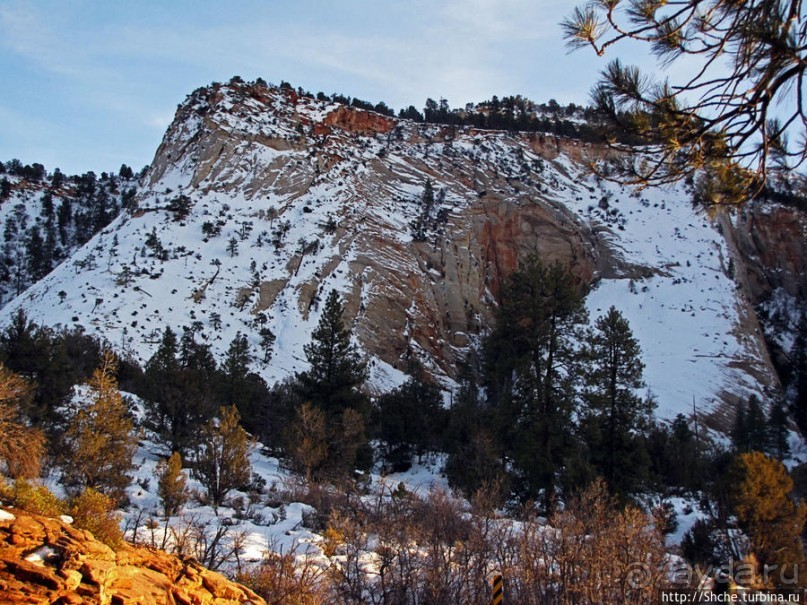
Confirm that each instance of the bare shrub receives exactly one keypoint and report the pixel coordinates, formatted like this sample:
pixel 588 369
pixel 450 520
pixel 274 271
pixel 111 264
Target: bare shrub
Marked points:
pixel 288 578
pixel 21 447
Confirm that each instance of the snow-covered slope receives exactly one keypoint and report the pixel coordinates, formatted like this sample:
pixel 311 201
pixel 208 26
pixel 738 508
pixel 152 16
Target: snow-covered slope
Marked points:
pixel 46 218
pixel 259 202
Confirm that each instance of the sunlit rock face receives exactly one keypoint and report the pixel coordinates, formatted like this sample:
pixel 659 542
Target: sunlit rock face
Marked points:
pixel 45 560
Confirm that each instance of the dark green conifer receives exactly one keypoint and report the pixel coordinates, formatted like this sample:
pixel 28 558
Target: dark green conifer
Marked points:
pixel 410 418
pixel 336 369
pixel 613 373
pixel 531 365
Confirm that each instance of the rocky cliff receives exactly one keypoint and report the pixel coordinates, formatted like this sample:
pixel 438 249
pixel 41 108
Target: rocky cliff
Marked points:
pixel 45 560
pixel 769 243
pixel 259 201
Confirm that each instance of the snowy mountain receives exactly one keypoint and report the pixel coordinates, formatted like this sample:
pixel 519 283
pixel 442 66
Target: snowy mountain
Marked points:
pixel 260 201
pixel 46 218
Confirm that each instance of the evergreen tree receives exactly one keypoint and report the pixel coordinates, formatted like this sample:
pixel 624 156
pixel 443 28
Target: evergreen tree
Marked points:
pixel 751 432
pixel 232 246
pixel 242 388
pixel 682 455
pixel 779 430
pixel 410 419
pixel 172 484
pixel 267 343
pixel 737 117
pixel 53 361
pixel 531 362
pixel 424 221
pixel 336 370
pixel 100 438
pixel 125 172
pixel 5 189
pixel 180 206
pixel 613 373
pixel 474 454
pixel 739 432
pixel 57 180
pixel 39 264
pixel 179 393
pixel 236 364
pixel 198 376
pixel 221 462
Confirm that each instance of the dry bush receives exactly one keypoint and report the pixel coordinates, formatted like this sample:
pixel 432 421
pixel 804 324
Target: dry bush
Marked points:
pixel 424 550
pixel 36 499
pixel 21 447
pixel 95 512
pixel 287 579
pixel 593 552
pixel 402 548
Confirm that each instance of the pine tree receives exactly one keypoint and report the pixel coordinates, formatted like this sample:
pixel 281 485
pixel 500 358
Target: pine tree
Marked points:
pixel 167 402
pixel 737 116
pixel 779 430
pixel 236 364
pixel 424 220
pixel 410 419
pixel 751 431
pixel 739 432
pixel 100 438
pixel 267 343
pixel 171 484
pixel 474 455
pixel 221 462
pixel 39 264
pixel 531 362
pixel 5 189
pixel 336 370
pixel 613 373
pixel 243 388
pixel 180 385
pixel 232 246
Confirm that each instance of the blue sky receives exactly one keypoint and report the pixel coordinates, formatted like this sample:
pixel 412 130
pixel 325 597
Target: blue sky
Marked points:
pixel 89 85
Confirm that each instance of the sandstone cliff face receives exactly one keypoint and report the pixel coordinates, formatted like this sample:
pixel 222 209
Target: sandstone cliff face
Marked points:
pixel 771 244
pixel 433 296
pixel 770 247
pixel 291 197
pixel 44 560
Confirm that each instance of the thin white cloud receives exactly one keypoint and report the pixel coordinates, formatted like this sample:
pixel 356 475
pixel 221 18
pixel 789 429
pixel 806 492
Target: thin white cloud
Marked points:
pixel 128 70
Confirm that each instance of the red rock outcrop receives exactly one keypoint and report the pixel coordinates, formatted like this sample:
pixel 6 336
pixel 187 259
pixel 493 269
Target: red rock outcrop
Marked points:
pixel 359 121
pixel 44 560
